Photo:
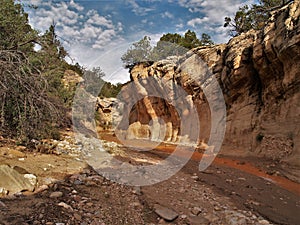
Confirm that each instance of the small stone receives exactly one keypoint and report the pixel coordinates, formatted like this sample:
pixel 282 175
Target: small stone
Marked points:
pixel 77 217
pixel 195 220
pixel 65 205
pixel 195 177
pixel 196 211
pixel 165 213
pixel 90 204
pixel 31 178
pixel 217 208
pixel 183 216
pixel 106 195
pixel 137 190
pixel 42 188
pixel 242 178
pixel 2 205
pixel 56 194
pixel 136 205
pixel 263 222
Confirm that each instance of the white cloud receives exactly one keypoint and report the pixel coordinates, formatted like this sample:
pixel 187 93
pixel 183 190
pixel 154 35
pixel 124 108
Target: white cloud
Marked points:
pixel 137 9
pixel 212 14
pixel 167 15
pixel 75 24
pixel 197 21
pixel 76 6
pixel 98 20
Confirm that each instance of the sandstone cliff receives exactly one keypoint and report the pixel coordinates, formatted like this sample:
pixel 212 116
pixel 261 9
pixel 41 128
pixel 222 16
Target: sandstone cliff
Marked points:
pixel 259 74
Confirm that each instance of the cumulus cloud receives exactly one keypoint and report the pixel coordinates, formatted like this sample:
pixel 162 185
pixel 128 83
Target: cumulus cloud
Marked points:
pixel 137 9
pixel 197 21
pixel 74 23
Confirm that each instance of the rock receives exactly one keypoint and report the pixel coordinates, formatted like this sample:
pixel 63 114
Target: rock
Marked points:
pixel 217 208
pixel 2 205
pixel 3 192
pixel 42 188
pixel 32 178
pixel 233 218
pixel 165 213
pixel 198 220
pixel 263 222
pixel 258 72
pixel 20 170
pixel 65 205
pixel 77 217
pixel 137 190
pixel 196 211
pixel 56 194
pixel 13 182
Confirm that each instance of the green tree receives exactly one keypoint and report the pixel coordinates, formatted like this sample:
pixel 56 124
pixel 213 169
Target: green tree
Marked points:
pixel 15 31
pixel 252 17
pixel 168 45
pixel 175 44
pixel 190 40
pixel 31 103
pixel 138 52
pixel 206 39
pixel 93 80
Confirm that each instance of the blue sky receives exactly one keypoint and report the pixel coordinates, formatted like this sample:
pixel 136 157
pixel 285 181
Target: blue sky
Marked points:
pixel 97 33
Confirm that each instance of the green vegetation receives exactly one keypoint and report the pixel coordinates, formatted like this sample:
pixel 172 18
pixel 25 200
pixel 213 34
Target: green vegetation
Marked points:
pixel 168 45
pixel 93 81
pixel 252 17
pixel 33 99
pixel 31 92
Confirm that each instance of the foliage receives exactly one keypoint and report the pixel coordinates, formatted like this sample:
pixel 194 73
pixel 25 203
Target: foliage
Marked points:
pixel 252 17
pixel 110 90
pixel 139 52
pixel 168 45
pixel 96 86
pixel 31 93
pixel 15 31
pixel 93 80
pixel 26 108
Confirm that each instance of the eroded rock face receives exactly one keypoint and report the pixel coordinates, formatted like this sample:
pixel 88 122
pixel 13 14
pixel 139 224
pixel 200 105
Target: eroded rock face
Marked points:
pixel 107 112
pixel 259 73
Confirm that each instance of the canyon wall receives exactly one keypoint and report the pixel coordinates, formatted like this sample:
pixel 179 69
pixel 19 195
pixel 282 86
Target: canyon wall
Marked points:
pixel 259 74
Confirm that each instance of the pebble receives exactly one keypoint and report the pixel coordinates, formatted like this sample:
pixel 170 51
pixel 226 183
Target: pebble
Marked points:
pixel 137 190
pixel 65 205
pixel 42 188
pixel 263 222
pixel 195 177
pixel 2 205
pixel 77 217
pixel 196 211
pixel 56 194
pixel 217 208
pixel 195 220
pixel 166 213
